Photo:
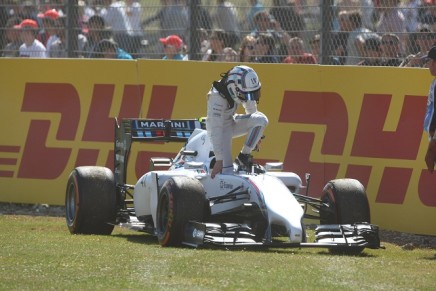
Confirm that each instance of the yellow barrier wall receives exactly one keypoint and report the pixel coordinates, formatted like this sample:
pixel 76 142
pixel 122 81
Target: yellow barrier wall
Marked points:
pixel 332 122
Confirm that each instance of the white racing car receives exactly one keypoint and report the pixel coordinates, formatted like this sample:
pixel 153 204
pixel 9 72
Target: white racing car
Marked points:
pixel 182 205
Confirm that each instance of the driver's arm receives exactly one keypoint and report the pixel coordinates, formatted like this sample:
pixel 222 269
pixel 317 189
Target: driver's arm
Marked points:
pixel 250 107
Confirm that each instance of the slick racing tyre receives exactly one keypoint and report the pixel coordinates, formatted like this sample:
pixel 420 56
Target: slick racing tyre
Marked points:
pixel 344 201
pixel 90 201
pixel 181 199
pixel 347 202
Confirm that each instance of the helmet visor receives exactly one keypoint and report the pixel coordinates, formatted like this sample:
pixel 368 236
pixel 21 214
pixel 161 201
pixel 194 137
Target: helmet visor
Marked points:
pixel 249 96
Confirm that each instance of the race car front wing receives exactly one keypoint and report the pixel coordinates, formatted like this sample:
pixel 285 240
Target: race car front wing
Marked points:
pixel 331 236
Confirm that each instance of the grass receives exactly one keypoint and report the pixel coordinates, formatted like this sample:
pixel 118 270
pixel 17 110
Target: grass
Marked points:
pixel 38 253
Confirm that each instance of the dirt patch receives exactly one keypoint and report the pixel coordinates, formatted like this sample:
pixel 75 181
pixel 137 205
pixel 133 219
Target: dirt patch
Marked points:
pixel 31 209
pixel 407 241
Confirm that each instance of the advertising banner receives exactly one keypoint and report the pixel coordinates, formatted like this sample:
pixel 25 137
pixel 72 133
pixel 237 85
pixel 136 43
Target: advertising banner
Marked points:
pixel 329 121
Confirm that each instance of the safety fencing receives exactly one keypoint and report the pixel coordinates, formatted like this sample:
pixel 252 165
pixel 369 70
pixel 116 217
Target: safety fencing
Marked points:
pixel 334 32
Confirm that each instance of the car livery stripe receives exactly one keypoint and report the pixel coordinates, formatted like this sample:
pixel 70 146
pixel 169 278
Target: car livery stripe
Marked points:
pixel 253 136
pixel 259 195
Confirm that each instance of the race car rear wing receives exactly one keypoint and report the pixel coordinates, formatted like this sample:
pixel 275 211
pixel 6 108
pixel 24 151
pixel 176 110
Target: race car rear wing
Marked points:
pixel 130 130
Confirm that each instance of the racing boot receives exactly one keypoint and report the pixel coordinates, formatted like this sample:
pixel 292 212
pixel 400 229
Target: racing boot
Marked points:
pixel 244 161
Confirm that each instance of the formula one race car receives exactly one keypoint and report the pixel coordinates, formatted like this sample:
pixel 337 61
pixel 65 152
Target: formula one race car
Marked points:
pixel 183 205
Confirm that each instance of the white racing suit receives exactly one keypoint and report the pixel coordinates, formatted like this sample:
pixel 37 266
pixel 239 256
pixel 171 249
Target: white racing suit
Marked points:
pixel 223 124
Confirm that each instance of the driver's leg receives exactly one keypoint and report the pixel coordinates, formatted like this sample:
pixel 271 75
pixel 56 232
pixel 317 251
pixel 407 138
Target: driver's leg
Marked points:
pixel 253 126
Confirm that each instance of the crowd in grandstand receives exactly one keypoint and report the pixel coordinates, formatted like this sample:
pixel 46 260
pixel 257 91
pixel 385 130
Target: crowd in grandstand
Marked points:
pixel 364 32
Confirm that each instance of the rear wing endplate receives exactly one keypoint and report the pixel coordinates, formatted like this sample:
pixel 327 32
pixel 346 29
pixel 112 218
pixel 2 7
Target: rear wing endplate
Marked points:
pixel 130 130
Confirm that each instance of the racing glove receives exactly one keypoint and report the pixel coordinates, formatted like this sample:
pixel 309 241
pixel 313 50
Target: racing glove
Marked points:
pixel 430 157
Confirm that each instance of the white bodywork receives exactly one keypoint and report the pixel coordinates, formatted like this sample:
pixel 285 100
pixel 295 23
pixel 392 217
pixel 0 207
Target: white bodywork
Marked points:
pixel 270 190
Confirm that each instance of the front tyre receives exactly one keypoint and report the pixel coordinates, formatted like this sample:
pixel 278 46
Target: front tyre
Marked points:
pixel 344 201
pixel 347 203
pixel 90 201
pixel 181 199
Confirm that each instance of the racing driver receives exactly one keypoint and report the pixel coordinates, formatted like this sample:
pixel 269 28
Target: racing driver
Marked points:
pixel 238 86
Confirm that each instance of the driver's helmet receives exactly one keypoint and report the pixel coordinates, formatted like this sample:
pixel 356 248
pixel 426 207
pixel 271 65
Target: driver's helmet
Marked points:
pixel 243 84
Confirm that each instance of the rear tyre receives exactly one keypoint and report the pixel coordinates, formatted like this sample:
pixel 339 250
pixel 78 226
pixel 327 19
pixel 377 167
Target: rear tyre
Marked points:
pixel 347 204
pixel 90 201
pixel 181 199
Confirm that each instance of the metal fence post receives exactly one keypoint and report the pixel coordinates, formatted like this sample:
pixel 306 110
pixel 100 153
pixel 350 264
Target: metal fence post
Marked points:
pixel 72 26
pixel 326 31
pixel 194 49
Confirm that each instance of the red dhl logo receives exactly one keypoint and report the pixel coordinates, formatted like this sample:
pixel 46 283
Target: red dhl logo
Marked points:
pixel 317 108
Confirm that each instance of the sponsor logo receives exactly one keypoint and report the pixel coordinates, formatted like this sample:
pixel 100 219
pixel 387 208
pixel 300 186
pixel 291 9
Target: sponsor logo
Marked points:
pixel 121 144
pixel 197 233
pixel 161 124
pixel 119 158
pixel 224 185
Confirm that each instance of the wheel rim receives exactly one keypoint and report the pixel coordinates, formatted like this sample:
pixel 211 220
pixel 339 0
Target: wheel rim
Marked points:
pixel 163 217
pixel 71 204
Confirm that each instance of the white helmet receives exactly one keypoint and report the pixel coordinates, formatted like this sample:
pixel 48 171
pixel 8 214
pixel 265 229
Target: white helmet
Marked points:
pixel 243 84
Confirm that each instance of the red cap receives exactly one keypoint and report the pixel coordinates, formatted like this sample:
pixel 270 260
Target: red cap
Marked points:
pixel 430 1
pixel 173 40
pixel 52 14
pixel 28 23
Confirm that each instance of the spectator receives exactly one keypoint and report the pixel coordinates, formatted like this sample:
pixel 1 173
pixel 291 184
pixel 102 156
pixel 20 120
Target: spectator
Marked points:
pixel 12 31
pixel 367 11
pixel 96 7
pixel 173 18
pixel 412 39
pixel 226 18
pixel 219 50
pixel 203 41
pixel 315 46
pixel 425 39
pixel 409 8
pixel 265 49
pixel 109 49
pixel 341 36
pixel 266 25
pixel 255 7
pixel 373 52
pixel 50 27
pixel 205 19
pixel 58 49
pixel 365 7
pixel 427 13
pixel 284 12
pixel 173 46
pixel 391 50
pixel 27 10
pixel 246 50
pixel 124 18
pixel 296 53
pixel 356 39
pixel 392 19
pixel 31 47
pixel 97 31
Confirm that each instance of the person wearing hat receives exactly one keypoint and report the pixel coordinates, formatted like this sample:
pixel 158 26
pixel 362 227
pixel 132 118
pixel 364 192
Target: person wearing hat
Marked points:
pixel 31 47
pixel 173 46
pixel 50 28
pixel 430 116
